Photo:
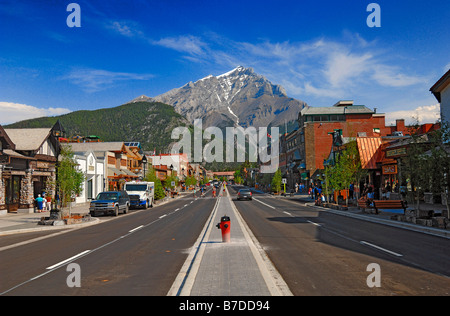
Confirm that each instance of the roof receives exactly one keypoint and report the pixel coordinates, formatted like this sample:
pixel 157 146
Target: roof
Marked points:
pixel 6 141
pixel 368 151
pixel 14 154
pixel 223 173
pixel 440 85
pixel 97 147
pixel 28 139
pixel 353 109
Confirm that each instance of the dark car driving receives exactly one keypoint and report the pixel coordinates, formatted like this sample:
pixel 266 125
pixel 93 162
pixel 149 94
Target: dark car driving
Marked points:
pixel 244 194
pixel 110 202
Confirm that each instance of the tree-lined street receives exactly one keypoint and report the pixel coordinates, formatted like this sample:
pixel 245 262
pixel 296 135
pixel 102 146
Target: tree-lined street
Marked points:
pixel 316 252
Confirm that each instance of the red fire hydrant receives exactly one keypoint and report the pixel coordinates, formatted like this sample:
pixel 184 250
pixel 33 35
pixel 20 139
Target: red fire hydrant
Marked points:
pixel 224 226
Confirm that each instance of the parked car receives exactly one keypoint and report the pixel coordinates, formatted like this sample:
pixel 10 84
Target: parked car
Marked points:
pixel 244 194
pixel 110 202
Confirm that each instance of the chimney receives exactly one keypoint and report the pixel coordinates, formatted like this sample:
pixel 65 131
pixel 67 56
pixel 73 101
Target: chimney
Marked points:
pixel 400 125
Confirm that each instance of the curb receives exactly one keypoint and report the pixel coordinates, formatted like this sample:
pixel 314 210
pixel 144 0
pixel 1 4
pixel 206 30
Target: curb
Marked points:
pixel 421 229
pixel 92 221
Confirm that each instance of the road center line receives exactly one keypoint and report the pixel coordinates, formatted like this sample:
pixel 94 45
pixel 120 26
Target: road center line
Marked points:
pixel 382 249
pixel 134 229
pixel 163 216
pixel 313 223
pixel 264 203
pixel 67 260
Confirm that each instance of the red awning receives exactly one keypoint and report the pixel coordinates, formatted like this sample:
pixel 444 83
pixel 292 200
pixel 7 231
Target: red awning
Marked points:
pixel 368 148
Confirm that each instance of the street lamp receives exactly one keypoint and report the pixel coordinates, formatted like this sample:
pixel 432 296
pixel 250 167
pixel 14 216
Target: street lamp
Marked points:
pixel 144 162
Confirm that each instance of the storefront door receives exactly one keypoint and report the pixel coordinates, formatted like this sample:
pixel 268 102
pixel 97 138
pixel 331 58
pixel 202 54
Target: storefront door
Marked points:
pixel 12 193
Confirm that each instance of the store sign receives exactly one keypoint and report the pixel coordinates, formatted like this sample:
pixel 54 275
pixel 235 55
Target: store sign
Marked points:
pixel 389 169
pixel 42 165
pixel 396 152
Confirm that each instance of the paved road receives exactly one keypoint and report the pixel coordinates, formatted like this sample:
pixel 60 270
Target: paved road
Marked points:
pixel 316 252
pixel 136 254
pixel 321 253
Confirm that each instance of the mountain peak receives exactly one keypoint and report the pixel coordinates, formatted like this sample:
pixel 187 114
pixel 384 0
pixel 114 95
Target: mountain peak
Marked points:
pixel 142 98
pixel 237 97
pixel 238 69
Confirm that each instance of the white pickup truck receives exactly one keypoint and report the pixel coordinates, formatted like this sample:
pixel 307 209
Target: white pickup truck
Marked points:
pixel 141 193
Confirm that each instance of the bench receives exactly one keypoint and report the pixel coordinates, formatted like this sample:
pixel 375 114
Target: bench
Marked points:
pixel 363 204
pixel 390 205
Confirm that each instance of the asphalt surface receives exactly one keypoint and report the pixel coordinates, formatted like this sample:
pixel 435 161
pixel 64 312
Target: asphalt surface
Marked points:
pixel 322 253
pixel 136 254
pixel 315 252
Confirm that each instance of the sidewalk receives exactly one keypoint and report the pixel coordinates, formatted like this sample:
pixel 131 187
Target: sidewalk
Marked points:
pixel 237 268
pixel 13 223
pixel 384 217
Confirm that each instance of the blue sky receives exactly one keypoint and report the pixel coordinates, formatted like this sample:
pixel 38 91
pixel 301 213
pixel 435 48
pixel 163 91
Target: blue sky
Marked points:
pixel 319 51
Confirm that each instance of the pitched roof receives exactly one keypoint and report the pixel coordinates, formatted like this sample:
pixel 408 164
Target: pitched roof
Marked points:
pixel 368 151
pixel 353 109
pixel 6 141
pixel 28 139
pixel 97 146
pixel 440 85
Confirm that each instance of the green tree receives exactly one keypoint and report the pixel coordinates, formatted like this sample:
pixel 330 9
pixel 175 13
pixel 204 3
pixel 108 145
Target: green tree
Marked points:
pixel 276 181
pixel 169 180
pixel 151 177
pixel 347 169
pixel 237 177
pixel 190 181
pixel 69 178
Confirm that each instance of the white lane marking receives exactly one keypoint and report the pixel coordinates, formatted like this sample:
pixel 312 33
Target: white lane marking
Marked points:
pixel 264 203
pixel 177 210
pixel 382 249
pixel 313 223
pixel 163 216
pixel 287 213
pixel 135 229
pixel 68 260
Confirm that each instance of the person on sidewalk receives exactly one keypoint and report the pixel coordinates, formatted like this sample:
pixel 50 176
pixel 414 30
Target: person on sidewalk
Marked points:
pixel 40 203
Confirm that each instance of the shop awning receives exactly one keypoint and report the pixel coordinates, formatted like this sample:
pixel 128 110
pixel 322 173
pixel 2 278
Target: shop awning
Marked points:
pixel 368 148
pixel 115 171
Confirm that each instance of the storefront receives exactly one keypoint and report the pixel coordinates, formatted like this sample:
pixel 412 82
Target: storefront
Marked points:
pixel 30 167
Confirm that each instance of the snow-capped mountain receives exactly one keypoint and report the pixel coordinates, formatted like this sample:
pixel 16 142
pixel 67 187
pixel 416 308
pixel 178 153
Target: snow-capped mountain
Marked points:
pixel 238 97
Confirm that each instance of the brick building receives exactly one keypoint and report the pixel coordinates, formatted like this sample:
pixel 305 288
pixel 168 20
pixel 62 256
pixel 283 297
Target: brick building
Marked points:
pixel 317 123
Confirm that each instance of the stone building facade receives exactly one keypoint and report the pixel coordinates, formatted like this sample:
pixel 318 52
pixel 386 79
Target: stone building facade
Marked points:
pixel 27 167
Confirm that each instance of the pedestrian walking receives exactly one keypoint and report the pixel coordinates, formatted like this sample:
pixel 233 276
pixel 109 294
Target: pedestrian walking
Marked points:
pixel 351 190
pixel 49 202
pixel 40 203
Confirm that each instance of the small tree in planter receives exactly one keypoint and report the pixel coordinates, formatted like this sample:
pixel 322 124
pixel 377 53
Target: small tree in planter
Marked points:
pixel 69 178
pixel 276 181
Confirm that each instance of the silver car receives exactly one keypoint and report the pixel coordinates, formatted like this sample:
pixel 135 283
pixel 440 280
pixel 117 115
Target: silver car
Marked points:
pixel 244 194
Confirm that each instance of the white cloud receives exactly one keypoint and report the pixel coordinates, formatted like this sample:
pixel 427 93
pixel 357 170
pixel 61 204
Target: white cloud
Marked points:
pixel 424 114
pixel 94 80
pixel 391 77
pixel 321 70
pixel 14 112
pixel 125 28
pixel 185 44
pixel 343 68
